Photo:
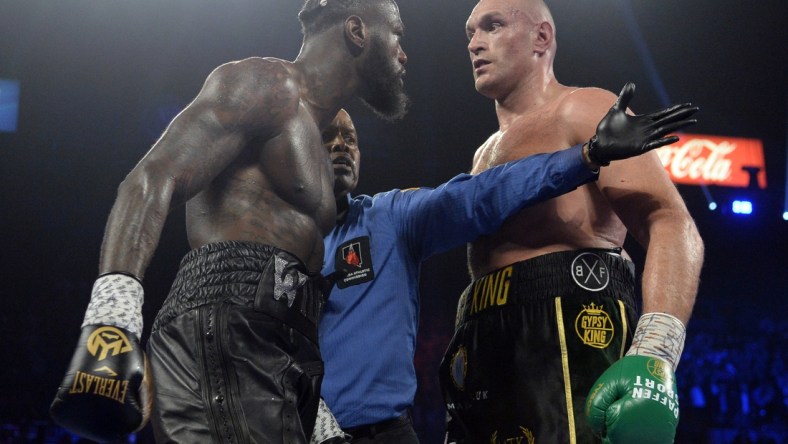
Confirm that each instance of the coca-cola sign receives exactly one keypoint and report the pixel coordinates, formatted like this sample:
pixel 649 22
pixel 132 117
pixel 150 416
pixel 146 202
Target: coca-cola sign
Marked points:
pixel 713 160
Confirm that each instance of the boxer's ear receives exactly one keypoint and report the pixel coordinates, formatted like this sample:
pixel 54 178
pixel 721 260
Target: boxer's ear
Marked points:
pixel 544 37
pixel 356 33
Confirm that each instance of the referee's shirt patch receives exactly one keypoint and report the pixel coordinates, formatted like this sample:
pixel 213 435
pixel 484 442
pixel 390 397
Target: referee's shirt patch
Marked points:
pixel 353 258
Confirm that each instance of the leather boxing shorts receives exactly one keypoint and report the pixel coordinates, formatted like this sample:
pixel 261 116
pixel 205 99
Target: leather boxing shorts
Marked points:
pixel 234 349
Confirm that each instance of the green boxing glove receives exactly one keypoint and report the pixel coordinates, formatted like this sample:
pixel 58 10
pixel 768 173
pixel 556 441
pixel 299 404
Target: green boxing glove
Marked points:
pixel 635 400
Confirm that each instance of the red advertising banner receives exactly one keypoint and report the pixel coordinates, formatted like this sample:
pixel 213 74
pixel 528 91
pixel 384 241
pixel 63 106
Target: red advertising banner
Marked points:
pixel 713 160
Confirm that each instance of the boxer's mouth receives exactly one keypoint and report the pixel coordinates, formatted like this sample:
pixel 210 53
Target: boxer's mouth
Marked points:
pixel 343 161
pixel 478 63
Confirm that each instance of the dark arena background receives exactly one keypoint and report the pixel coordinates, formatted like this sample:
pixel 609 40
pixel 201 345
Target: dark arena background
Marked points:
pixel 88 85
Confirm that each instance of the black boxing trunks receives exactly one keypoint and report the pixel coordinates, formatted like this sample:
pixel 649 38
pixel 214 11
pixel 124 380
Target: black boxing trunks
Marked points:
pixel 530 341
pixel 234 348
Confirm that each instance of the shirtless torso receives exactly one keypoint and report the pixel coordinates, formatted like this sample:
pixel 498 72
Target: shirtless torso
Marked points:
pixel 246 157
pixel 276 192
pixel 580 219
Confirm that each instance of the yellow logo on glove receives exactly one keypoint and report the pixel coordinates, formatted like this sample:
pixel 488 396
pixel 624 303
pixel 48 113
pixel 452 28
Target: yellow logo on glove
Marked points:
pixel 108 339
pixel 89 384
pixel 658 369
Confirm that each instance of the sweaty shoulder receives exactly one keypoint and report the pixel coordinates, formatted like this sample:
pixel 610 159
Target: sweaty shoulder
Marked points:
pixel 257 92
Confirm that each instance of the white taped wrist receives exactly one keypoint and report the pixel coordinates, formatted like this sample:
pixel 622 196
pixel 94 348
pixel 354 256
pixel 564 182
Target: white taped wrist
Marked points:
pixel 659 335
pixel 116 300
pixel 326 426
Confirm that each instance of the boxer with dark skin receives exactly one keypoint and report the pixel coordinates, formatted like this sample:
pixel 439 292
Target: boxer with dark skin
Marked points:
pixel 247 160
pixel 246 155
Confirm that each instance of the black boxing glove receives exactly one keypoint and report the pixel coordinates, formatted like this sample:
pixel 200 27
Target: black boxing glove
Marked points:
pixel 621 136
pixel 107 392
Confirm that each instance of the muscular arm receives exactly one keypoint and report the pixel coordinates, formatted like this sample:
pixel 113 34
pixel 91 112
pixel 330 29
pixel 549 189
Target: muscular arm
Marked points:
pixel 233 107
pixel 642 196
pixel 656 216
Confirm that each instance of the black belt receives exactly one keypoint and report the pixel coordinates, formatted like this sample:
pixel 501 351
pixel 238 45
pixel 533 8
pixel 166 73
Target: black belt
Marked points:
pixel 370 430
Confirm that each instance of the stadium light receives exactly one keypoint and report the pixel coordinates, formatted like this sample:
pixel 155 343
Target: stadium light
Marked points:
pixel 742 207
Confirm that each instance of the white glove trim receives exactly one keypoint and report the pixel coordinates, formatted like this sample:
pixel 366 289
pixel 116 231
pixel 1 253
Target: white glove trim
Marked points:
pixel 659 335
pixel 116 300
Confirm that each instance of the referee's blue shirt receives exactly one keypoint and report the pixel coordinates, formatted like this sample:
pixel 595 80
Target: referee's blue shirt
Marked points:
pixel 368 328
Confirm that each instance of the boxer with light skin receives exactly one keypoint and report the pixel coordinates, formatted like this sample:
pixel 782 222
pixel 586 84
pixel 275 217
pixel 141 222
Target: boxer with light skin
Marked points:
pixel 564 263
pixel 377 247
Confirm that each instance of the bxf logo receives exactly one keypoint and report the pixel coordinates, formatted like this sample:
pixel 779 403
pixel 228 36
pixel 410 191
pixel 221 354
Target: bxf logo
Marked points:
pixel 590 272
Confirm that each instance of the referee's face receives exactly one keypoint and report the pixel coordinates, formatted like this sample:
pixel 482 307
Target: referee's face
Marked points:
pixel 341 141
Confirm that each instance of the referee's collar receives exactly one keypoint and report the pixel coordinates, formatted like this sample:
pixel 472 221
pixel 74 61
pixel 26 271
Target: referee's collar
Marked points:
pixel 348 209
